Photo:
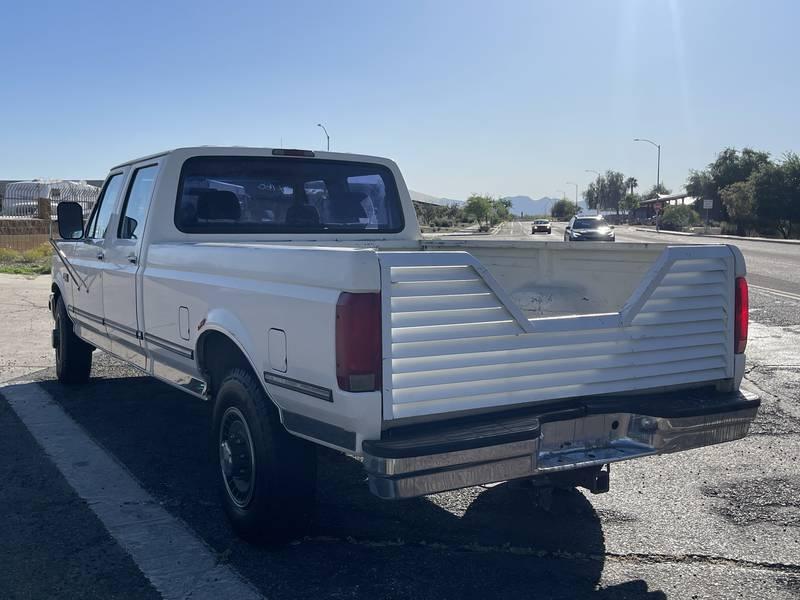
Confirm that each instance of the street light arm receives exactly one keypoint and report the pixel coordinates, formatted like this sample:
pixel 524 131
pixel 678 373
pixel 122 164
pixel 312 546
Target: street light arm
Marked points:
pixel 648 141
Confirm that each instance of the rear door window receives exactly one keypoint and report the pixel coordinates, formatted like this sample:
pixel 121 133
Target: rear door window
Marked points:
pixel 134 212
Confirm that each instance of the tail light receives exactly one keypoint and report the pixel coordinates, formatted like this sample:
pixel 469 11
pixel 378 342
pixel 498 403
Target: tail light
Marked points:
pixel 741 316
pixel 358 342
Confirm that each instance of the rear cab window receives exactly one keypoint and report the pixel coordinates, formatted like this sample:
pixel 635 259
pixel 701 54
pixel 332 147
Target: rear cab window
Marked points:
pixel 253 194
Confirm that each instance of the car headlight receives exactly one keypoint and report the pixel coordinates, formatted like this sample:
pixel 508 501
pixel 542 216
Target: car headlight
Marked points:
pixel 576 234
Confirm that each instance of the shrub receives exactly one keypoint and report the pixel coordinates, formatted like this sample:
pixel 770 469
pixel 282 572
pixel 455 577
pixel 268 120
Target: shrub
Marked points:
pixel 677 218
pixel 37 254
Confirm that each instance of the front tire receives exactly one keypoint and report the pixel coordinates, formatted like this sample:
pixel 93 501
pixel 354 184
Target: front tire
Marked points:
pixel 266 475
pixel 73 355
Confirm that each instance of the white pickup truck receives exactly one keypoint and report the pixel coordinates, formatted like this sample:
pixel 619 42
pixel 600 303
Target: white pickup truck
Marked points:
pixel 293 290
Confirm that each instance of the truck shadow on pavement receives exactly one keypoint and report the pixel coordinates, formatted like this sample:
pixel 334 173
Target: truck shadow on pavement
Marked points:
pixel 490 541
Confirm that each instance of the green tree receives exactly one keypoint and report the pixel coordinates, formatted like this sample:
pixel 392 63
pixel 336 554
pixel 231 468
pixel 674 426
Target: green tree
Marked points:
pixel 630 202
pixel 776 194
pixel 729 167
pixel 738 200
pixel 563 209
pixel 593 193
pixel 501 210
pixel 656 191
pixel 480 209
pixel 700 184
pixel 732 166
pixel 630 184
pixel 615 190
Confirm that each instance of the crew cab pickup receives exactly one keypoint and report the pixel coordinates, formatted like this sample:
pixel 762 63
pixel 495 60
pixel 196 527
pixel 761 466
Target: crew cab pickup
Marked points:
pixel 293 290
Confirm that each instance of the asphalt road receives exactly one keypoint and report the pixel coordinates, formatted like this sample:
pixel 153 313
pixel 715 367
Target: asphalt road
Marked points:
pixel 719 522
pixel 771 265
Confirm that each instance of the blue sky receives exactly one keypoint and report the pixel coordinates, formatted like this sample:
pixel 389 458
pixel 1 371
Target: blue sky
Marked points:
pixel 506 97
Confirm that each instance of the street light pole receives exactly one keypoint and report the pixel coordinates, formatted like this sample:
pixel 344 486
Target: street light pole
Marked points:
pixel 577 208
pixel 326 135
pixel 563 197
pixel 597 192
pixel 658 168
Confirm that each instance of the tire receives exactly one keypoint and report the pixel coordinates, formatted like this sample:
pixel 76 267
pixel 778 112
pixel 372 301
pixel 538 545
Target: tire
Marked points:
pixel 549 231
pixel 272 499
pixel 73 355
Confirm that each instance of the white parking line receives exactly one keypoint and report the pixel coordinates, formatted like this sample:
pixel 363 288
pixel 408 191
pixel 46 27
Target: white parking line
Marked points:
pixel 780 293
pixel 175 561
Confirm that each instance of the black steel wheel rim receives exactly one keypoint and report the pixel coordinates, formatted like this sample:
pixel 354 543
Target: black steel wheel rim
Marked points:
pixel 237 457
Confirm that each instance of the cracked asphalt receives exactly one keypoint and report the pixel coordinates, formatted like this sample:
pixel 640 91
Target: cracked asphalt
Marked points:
pixel 718 522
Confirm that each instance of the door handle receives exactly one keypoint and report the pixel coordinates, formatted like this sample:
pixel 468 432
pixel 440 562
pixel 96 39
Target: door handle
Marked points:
pixel 132 258
pixel 101 255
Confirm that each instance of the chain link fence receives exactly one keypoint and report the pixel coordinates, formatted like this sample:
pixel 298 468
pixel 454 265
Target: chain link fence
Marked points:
pixel 28 209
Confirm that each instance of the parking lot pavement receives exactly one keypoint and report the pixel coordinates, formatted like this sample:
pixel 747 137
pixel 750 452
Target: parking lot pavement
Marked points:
pixel 720 522
pixel 23 304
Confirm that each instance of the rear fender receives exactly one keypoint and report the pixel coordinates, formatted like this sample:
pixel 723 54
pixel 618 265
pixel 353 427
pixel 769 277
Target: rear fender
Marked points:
pixel 226 323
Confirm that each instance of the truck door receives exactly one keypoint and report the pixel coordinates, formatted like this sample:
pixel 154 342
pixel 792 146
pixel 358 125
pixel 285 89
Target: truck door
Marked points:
pixel 88 259
pixel 121 294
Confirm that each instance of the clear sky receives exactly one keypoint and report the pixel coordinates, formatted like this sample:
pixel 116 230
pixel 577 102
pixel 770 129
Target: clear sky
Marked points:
pixel 500 97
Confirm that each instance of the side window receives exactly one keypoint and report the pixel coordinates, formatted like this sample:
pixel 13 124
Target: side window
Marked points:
pixel 105 206
pixel 134 210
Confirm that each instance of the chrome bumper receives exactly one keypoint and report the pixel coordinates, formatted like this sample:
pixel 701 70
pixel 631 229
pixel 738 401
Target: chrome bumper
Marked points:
pixel 558 445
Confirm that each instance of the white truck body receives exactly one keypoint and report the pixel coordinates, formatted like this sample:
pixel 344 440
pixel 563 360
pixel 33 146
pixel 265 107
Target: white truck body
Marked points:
pixel 477 335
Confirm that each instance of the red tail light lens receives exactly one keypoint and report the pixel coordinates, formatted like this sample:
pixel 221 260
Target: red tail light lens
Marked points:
pixel 358 342
pixel 742 316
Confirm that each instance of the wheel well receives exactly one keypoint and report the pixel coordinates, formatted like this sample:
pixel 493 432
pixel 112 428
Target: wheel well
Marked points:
pixel 217 354
pixel 56 295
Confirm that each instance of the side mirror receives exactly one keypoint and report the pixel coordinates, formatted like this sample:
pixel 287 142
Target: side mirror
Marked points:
pixel 611 227
pixel 70 220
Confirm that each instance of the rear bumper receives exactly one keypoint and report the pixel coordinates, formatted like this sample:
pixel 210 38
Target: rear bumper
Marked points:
pixel 420 460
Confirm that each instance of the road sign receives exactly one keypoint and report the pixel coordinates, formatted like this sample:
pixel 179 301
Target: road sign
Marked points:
pixel 708 203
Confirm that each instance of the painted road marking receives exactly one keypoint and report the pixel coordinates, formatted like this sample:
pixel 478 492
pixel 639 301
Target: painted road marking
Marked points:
pixel 780 293
pixel 176 562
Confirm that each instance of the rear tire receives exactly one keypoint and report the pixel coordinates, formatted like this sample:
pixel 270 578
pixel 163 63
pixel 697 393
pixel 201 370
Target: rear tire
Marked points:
pixel 73 355
pixel 267 477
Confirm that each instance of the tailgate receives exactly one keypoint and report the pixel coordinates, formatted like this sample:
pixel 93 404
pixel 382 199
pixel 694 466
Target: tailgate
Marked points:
pixel 453 340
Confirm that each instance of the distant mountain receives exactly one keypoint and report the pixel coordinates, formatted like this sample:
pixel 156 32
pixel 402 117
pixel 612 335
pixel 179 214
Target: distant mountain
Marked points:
pixel 528 206
pixel 428 199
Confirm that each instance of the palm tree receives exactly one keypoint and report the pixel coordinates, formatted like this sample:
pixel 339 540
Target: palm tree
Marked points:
pixel 631 183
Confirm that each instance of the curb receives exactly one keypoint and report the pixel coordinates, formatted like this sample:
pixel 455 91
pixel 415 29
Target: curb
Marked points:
pixel 723 237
